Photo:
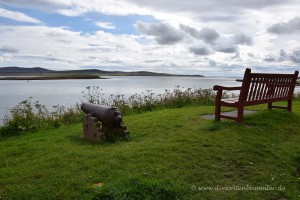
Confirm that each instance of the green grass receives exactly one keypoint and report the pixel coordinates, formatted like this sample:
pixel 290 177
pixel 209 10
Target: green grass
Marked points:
pixel 172 154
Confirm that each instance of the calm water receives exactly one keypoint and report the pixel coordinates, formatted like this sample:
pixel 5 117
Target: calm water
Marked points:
pixel 69 92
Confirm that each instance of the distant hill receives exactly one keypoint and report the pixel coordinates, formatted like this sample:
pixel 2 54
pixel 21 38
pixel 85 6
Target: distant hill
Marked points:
pixel 24 70
pixel 38 71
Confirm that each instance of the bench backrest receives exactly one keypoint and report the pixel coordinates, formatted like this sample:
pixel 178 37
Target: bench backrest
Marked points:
pixel 263 87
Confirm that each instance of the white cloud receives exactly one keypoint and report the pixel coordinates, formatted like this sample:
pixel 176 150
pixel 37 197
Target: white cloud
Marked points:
pixel 17 16
pixel 225 33
pixel 106 25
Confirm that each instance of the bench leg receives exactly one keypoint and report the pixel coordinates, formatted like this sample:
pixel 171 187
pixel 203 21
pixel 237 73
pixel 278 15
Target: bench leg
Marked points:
pixel 217 112
pixel 269 106
pixel 240 115
pixel 289 108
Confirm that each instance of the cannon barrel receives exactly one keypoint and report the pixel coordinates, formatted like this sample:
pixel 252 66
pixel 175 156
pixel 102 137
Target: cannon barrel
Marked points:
pixel 109 116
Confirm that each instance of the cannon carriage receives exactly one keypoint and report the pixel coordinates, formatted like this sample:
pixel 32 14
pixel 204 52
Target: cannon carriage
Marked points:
pixel 101 122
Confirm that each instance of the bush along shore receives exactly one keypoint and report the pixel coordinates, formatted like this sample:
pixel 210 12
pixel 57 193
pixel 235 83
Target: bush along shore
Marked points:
pixel 30 115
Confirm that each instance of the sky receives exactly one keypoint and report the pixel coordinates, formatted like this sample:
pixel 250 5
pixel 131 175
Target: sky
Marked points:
pixel 209 37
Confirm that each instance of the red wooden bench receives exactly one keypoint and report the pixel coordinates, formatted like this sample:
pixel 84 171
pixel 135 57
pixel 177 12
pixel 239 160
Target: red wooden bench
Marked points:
pixel 257 88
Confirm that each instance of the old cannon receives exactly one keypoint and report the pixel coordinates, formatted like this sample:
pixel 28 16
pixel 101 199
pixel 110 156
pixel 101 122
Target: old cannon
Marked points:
pixel 103 122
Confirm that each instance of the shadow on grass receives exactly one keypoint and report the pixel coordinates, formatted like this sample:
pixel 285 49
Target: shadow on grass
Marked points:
pixel 80 140
pixel 271 117
pixel 266 118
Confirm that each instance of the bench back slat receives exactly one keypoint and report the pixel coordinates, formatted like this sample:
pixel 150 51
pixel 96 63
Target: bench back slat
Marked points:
pixel 261 86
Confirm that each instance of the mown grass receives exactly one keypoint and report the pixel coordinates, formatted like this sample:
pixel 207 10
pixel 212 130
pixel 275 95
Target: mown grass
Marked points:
pixel 172 154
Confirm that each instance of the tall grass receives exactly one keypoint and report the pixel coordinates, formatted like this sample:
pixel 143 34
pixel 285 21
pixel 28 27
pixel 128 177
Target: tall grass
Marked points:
pixel 148 101
pixel 29 116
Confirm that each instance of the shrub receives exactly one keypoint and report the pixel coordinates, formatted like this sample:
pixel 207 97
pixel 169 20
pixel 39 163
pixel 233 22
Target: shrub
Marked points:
pixel 29 116
pixel 149 101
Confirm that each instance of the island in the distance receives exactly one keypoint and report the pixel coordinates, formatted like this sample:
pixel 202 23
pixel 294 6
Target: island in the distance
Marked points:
pixel 38 73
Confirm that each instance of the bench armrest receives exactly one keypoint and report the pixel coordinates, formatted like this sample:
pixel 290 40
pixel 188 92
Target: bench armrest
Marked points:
pixel 220 90
pixel 218 87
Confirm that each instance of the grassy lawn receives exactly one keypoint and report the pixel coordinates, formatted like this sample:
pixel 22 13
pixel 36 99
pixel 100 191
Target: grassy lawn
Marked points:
pixel 172 154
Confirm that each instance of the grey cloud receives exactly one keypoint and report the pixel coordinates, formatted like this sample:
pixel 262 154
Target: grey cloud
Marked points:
pixel 193 32
pixel 242 38
pixel 163 33
pixel 236 56
pixel 206 34
pixel 212 62
pixel 282 55
pixel 152 61
pixel 222 18
pixel 202 51
pixel 233 7
pixel 251 55
pixel 227 48
pixel 295 56
pixel 56 33
pixel 9 49
pixel 292 26
pixel 254 4
pixel 39 4
pixel 48 58
pixel 269 58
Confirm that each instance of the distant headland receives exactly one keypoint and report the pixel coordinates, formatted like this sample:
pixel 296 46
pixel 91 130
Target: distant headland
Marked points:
pixel 38 73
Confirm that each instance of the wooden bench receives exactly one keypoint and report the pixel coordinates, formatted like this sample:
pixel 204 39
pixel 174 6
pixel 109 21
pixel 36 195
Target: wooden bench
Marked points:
pixel 257 88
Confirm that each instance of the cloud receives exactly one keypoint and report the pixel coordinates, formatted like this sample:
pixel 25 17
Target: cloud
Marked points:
pixel 243 39
pixel 283 56
pixel 206 34
pixel 295 56
pixel 212 62
pixel 106 25
pixel 289 27
pixel 201 51
pixel 5 57
pixel 225 31
pixel 269 58
pixel 163 33
pixel 17 16
pixel 8 49
pixel 212 6
pixel 227 48
pixel 251 55
pixel 39 4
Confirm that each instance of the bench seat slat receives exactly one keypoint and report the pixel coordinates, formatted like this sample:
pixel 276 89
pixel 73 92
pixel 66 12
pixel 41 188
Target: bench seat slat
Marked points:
pixel 231 100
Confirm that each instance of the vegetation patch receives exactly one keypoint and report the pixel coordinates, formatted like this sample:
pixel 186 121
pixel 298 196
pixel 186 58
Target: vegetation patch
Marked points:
pixel 137 188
